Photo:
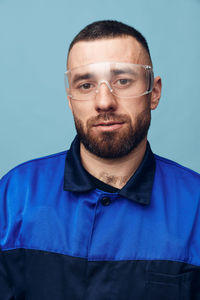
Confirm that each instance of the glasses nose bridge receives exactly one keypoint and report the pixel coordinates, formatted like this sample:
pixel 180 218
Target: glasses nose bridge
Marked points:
pixel 106 82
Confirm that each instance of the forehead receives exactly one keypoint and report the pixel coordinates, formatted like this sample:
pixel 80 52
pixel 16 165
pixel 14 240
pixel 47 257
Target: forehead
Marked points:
pixel 121 49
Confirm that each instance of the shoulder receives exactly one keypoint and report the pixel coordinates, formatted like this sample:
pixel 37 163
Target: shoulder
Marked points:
pixel 171 170
pixel 30 184
pixel 35 167
pixel 30 180
pixel 174 166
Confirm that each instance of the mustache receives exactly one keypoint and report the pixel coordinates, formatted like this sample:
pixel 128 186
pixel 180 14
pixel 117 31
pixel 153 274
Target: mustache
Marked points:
pixel 109 117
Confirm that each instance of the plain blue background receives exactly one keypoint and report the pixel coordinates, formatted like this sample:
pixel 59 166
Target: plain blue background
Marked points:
pixel 34 116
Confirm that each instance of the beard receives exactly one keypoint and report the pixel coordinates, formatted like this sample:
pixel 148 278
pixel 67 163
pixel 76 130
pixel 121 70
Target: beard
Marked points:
pixel 116 143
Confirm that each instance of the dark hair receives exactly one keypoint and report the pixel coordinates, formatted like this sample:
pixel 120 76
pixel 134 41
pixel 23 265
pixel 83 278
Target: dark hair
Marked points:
pixel 108 29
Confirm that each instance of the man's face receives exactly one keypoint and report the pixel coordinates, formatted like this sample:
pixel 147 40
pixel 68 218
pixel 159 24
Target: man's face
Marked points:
pixel 109 126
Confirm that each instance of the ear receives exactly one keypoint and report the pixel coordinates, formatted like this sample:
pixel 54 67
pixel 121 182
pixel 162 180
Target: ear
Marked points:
pixel 69 98
pixel 69 102
pixel 156 92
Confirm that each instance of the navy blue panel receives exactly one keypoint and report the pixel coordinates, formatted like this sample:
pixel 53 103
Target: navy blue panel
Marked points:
pixel 6 287
pixel 37 275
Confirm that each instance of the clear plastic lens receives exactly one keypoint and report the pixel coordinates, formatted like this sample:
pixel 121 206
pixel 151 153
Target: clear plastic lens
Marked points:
pixel 125 80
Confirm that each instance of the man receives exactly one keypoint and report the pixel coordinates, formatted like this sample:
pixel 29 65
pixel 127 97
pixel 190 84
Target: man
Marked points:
pixel 108 219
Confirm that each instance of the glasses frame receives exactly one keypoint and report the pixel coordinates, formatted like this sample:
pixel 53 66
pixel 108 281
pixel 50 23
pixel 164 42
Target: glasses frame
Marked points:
pixel 146 67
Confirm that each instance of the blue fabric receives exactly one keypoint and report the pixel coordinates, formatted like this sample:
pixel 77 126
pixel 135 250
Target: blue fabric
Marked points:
pixel 37 213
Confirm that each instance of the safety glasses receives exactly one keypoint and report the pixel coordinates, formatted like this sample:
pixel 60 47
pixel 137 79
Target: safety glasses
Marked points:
pixel 124 80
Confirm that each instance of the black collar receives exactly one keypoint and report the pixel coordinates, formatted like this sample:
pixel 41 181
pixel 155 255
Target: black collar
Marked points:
pixel 138 188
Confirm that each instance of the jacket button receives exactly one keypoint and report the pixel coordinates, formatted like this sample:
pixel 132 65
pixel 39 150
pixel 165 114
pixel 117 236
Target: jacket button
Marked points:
pixel 105 201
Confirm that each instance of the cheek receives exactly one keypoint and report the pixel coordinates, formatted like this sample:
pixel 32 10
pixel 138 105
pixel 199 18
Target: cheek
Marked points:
pixel 136 107
pixel 81 110
pixel 133 107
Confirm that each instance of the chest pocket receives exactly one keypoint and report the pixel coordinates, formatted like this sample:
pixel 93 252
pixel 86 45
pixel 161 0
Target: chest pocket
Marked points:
pixel 185 286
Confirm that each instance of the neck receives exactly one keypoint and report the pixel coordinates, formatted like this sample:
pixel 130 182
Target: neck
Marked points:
pixel 117 171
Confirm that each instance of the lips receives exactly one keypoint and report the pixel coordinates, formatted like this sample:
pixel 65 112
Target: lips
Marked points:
pixel 108 123
pixel 109 126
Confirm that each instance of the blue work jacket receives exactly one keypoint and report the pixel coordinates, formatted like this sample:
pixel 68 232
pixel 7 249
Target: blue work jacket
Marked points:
pixel 63 239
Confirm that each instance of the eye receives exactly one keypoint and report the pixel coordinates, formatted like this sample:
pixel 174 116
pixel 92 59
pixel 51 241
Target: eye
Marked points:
pixel 85 86
pixel 123 82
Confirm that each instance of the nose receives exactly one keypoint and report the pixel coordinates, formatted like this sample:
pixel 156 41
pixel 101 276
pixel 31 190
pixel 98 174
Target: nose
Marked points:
pixel 105 100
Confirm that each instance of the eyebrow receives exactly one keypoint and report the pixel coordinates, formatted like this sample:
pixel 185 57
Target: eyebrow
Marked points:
pixel 114 72
pixel 123 71
pixel 79 77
